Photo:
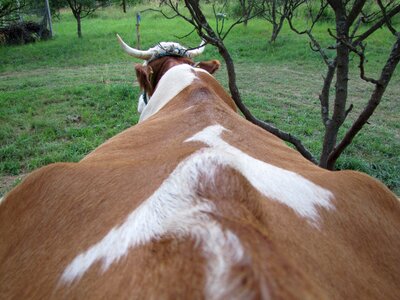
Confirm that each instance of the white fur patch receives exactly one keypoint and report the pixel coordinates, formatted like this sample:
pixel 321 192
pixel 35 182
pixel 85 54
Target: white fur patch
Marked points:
pixel 2 199
pixel 287 187
pixel 176 209
pixel 141 104
pixel 171 84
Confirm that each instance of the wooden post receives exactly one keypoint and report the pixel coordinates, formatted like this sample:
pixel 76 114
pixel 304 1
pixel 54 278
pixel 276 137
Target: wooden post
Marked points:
pixel 49 18
pixel 138 19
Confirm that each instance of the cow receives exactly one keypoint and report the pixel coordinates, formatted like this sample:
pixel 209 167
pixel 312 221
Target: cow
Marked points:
pixel 195 202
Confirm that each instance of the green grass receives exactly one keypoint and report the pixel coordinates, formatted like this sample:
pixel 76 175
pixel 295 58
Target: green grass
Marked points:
pixel 60 99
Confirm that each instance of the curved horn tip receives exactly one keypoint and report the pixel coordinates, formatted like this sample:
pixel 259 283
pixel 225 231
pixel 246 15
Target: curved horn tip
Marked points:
pixel 132 51
pixel 198 51
pixel 120 40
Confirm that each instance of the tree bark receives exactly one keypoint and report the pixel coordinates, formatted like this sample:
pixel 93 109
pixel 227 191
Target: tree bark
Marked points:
pixel 374 101
pixel 274 24
pixel 244 11
pixel 324 96
pixel 276 28
pixel 248 115
pixel 79 27
pixel 342 73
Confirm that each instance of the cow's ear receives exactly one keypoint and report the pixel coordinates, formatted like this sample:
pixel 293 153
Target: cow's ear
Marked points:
pixel 143 74
pixel 210 66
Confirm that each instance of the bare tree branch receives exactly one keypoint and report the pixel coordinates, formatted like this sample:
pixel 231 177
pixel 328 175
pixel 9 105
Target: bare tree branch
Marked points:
pixel 356 27
pixel 159 11
pixel 346 12
pixel 361 55
pixel 253 12
pixel 186 35
pixel 385 17
pixel 316 47
pixel 361 64
pixel 373 102
pixel 355 11
pixel 314 19
pixel 9 7
pixel 349 109
pixel 377 25
pixel 324 96
pixel 175 8
pixel 208 34
pixel 277 11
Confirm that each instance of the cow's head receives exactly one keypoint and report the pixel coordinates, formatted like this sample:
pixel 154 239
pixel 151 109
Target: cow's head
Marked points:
pixel 158 60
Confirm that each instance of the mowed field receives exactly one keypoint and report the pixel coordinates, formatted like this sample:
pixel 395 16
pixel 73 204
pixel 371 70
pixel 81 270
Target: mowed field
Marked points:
pixel 62 98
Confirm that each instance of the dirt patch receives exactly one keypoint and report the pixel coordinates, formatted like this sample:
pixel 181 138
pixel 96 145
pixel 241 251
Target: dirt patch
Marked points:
pixel 8 182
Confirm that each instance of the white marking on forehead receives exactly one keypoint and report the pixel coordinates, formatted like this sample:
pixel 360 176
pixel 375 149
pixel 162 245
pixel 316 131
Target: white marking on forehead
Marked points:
pixel 171 84
pixel 287 187
pixel 1 199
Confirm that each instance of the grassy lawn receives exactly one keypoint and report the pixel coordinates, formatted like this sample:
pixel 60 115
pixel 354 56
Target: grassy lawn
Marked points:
pixel 60 99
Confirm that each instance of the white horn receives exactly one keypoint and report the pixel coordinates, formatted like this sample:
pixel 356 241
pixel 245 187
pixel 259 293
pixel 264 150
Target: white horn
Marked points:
pixel 198 51
pixel 134 52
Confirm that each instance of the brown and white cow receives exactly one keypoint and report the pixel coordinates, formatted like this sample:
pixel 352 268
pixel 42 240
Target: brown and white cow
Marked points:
pixel 195 202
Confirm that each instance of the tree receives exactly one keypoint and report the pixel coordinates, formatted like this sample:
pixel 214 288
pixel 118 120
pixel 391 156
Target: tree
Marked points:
pixel 277 11
pixel 83 8
pixel 347 38
pixel 121 3
pixel 216 38
pixel 247 7
pixel 349 15
pixel 9 10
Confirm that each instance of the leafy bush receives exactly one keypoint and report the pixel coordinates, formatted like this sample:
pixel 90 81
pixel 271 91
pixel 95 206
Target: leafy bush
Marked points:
pixel 23 33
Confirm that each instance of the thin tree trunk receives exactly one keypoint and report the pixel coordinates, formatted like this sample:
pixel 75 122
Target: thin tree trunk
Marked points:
pixel 201 23
pixel 374 101
pixel 274 24
pixel 124 5
pixel 342 74
pixel 244 12
pixel 248 115
pixel 275 32
pixel 324 96
pixel 48 18
pixel 276 29
pixel 78 20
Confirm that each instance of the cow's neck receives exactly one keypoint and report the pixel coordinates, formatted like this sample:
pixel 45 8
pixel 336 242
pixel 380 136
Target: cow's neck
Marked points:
pixel 170 85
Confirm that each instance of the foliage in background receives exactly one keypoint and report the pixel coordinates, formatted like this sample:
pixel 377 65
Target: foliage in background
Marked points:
pixel 275 12
pixel 26 21
pixel 10 11
pixel 83 8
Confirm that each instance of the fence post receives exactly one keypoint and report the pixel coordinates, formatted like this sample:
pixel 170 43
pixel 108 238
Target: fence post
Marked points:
pixel 138 19
pixel 49 18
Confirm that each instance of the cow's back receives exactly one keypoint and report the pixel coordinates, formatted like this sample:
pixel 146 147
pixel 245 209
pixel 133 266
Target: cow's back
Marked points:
pixel 197 202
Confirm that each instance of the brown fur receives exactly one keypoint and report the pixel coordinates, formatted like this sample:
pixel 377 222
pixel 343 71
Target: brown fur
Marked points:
pixel 148 76
pixel 62 209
